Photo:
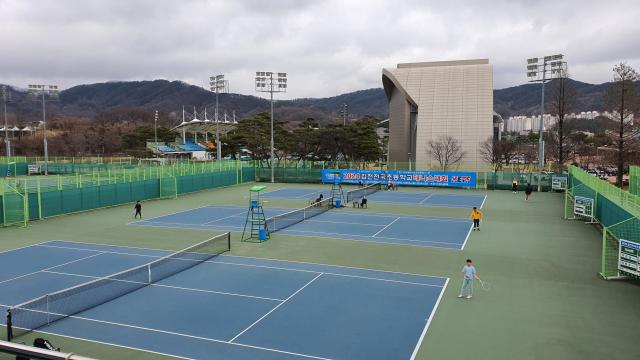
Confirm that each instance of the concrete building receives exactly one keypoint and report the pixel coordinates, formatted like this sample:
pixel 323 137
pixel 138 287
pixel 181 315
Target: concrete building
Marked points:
pixel 430 100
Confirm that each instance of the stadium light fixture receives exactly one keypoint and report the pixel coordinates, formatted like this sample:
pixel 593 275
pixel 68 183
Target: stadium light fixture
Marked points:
pixel 271 82
pixel 44 91
pixel 218 85
pixel 542 69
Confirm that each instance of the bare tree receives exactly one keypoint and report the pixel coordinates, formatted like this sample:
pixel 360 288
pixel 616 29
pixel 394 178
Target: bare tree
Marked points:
pixel 621 99
pixel 562 101
pixel 560 145
pixel 446 151
pixel 498 153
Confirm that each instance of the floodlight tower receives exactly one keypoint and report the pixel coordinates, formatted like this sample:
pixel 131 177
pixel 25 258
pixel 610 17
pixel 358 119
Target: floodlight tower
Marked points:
pixel 218 85
pixel 5 98
pixel 270 82
pixel 542 69
pixel 51 92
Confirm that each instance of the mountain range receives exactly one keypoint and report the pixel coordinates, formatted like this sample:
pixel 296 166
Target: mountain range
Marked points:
pixel 169 97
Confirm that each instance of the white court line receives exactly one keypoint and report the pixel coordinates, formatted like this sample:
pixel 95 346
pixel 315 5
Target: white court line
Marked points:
pixel 431 204
pixel 170 286
pixel 330 273
pixel 277 306
pixel 173 213
pixel 406 216
pixel 268 259
pixel 105 343
pixel 22 247
pixel 335 236
pixel 307 194
pixel 223 218
pixel 252 265
pixel 52 267
pixel 274 190
pixel 176 334
pixel 342 222
pixel 426 198
pixel 384 228
pixel 378 240
pixel 483 200
pixel 172 225
pixel 359 237
pixel 467 238
pixel 426 326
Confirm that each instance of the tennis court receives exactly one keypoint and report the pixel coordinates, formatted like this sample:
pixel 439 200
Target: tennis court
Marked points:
pixel 225 306
pixel 422 198
pixel 342 224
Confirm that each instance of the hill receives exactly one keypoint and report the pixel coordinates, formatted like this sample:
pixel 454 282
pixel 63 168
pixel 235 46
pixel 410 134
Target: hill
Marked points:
pixel 170 96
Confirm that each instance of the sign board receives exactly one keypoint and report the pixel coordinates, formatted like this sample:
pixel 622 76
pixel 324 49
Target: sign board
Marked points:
pixel 629 258
pixel 402 177
pixel 583 206
pixel 559 182
pixel 33 169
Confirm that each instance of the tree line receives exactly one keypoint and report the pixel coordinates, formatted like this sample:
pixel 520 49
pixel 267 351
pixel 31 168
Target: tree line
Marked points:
pixel 126 132
pixel 354 142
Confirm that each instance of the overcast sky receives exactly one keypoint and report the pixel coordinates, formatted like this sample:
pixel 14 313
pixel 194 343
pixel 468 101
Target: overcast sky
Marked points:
pixel 326 47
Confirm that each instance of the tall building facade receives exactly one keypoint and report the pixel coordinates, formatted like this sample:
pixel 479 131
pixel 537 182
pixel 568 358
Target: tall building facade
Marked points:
pixel 432 100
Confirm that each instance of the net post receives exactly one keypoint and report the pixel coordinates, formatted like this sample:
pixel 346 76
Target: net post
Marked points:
pixel 149 274
pixel 228 240
pixel 9 326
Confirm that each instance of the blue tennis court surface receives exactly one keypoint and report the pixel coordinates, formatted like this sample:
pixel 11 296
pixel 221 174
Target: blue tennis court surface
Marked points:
pixel 336 224
pixel 232 307
pixel 389 197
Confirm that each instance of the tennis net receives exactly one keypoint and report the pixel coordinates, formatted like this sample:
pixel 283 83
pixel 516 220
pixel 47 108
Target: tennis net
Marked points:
pixel 44 310
pixel 362 192
pixel 285 220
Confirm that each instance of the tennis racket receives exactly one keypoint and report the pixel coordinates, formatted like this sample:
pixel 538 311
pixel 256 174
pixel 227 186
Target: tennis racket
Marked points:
pixel 485 285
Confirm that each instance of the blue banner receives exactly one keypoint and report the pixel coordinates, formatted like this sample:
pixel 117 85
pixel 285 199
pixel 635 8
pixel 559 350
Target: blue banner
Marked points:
pixel 402 177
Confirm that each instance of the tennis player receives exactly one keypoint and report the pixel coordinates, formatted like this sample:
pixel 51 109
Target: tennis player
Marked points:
pixel 476 215
pixel 514 185
pixel 527 192
pixel 138 208
pixel 469 274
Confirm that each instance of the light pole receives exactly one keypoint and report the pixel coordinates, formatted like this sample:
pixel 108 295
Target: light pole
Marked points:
pixel 155 131
pixel 218 85
pixel 44 91
pixel 6 125
pixel 266 82
pixel 540 70
pixel 344 114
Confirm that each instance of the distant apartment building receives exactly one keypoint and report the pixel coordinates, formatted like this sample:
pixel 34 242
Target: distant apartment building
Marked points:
pixel 431 100
pixel 524 124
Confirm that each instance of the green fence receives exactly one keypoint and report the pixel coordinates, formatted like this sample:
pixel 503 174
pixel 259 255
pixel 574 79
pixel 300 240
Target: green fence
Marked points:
pixel 634 179
pixel 23 200
pixel 13 169
pixel 290 174
pixel 503 180
pixel 616 210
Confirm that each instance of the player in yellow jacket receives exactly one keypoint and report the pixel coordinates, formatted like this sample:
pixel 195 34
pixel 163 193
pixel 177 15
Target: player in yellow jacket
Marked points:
pixel 476 215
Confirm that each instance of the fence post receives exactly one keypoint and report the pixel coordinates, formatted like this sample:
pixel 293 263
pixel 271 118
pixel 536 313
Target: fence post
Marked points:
pixel 604 251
